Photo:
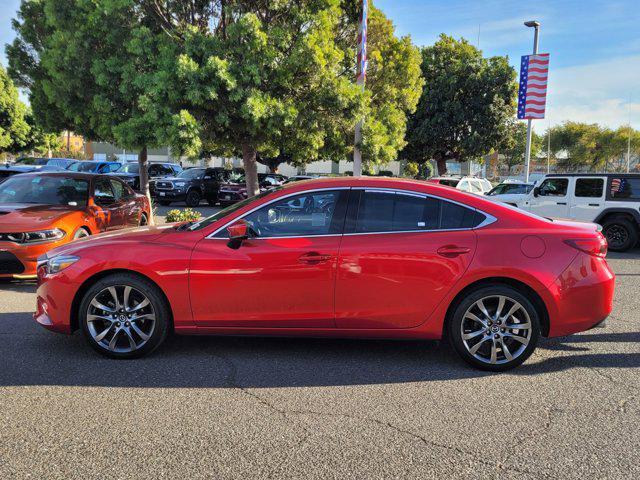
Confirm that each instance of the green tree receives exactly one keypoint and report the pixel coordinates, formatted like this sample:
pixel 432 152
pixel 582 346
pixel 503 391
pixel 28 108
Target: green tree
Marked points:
pixel 582 146
pixel 465 107
pixel 512 150
pixel 87 66
pixel 273 82
pixel 39 141
pixel 14 129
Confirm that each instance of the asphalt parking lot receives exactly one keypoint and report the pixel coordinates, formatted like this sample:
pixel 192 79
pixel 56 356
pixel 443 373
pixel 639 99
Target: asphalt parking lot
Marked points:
pixel 292 408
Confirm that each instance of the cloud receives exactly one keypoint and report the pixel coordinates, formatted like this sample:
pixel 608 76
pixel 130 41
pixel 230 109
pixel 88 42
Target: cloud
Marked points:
pixel 605 92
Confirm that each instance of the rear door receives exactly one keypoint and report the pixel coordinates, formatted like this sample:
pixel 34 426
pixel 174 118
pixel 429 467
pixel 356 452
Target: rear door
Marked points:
pixel 588 198
pixel 552 200
pixel 402 254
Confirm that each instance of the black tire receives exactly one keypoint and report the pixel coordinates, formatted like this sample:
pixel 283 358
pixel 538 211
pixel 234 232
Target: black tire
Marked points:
pixel 157 304
pixel 193 198
pixel 164 203
pixel 144 221
pixel 621 233
pixel 491 338
pixel 212 203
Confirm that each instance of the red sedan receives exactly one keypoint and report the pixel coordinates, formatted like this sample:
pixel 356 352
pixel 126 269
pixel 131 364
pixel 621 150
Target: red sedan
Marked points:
pixel 345 257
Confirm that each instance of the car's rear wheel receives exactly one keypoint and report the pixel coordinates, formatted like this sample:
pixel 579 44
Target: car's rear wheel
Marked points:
pixel 124 316
pixel 494 328
pixel 621 234
pixel 144 221
pixel 193 198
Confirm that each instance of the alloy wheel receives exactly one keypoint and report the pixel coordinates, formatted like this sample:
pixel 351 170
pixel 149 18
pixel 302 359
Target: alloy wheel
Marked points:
pixel 121 319
pixel 617 235
pixel 496 329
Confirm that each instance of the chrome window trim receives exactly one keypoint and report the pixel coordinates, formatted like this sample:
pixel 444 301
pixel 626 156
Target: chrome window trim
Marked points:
pixel 214 233
pixel 489 219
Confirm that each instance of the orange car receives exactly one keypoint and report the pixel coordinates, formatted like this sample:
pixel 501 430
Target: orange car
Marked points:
pixel 40 211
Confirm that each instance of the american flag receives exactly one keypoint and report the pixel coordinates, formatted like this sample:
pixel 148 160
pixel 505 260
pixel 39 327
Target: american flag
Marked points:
pixel 617 186
pixel 532 96
pixel 362 44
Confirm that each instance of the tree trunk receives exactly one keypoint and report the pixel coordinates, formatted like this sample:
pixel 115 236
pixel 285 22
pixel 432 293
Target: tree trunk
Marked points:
pixel 441 163
pixel 250 169
pixel 144 180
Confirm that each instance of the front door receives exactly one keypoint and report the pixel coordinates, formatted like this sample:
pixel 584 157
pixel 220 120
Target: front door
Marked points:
pixel 402 254
pixel 552 200
pixel 282 276
pixel 110 215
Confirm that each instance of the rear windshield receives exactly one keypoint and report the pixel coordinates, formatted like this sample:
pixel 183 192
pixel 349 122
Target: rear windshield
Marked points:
pixel 41 189
pixel 449 182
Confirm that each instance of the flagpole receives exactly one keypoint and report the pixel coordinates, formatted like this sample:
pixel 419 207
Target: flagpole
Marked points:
pixel 527 151
pixel 361 76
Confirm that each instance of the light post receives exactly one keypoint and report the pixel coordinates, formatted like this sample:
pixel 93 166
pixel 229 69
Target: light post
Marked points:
pixel 527 154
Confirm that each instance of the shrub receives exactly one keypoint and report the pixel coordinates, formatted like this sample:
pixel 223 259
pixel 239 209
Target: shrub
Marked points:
pixel 186 215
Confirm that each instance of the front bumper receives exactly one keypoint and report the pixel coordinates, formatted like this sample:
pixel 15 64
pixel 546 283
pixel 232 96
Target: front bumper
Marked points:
pixel 169 195
pixel 54 302
pixel 20 260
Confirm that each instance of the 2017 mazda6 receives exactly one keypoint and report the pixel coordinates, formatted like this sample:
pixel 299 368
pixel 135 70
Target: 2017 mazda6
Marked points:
pixel 341 257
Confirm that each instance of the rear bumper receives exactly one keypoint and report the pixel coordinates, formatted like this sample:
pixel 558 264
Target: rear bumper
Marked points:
pixel 584 295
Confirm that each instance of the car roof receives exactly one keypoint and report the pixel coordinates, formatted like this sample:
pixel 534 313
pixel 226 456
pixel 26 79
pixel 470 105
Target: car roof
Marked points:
pixel 608 175
pixel 68 174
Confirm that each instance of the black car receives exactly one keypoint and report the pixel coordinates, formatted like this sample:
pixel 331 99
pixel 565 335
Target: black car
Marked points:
pixel 8 170
pixel 191 186
pixel 130 172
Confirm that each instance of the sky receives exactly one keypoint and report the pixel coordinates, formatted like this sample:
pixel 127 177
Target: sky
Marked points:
pixel 594 46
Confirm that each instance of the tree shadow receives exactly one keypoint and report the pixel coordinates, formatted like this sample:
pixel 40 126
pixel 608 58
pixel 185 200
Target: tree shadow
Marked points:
pixel 21 286
pixel 32 356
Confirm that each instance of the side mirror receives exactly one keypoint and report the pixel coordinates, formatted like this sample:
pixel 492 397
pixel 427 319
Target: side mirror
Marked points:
pixel 238 232
pixel 536 191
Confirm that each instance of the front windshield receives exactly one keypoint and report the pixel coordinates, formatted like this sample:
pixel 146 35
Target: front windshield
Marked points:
pixel 87 167
pixel 129 168
pixel 42 189
pixel 230 209
pixel 32 161
pixel 191 173
pixel 504 188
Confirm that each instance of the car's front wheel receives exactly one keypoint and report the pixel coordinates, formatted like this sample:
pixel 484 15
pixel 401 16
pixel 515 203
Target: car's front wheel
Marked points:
pixel 494 328
pixel 193 198
pixel 124 316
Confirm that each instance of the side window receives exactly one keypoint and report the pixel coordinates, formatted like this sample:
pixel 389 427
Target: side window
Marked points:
pixel 390 211
pixel 118 190
pixel 589 187
pixel 303 215
pixel 464 186
pixel 456 216
pixel 554 187
pixel 622 188
pixel 102 191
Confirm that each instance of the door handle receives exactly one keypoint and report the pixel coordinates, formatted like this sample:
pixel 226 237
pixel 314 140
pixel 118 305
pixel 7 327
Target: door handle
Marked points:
pixel 561 203
pixel 451 251
pixel 314 257
pixel 594 204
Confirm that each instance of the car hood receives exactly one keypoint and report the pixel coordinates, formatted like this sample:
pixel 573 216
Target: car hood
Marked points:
pixel 173 179
pixel 136 235
pixel 28 217
pixel 233 187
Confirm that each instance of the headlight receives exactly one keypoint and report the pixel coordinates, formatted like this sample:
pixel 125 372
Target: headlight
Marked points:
pixel 34 237
pixel 58 263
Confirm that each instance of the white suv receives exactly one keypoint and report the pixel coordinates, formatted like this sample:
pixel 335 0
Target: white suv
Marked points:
pixel 612 200
pixel 479 186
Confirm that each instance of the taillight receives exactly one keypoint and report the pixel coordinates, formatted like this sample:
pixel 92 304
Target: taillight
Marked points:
pixel 596 246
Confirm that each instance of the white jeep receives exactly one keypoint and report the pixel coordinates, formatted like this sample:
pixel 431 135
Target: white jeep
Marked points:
pixel 611 200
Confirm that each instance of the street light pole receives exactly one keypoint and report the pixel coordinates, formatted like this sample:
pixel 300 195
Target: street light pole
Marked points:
pixel 527 154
